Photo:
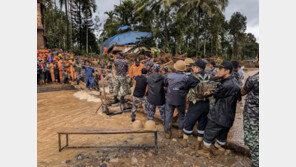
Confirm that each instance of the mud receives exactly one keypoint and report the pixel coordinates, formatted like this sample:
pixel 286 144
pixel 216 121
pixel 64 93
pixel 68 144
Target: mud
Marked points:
pixel 64 109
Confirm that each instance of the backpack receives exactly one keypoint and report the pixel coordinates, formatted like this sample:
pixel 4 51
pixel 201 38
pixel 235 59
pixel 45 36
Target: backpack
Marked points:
pixel 202 87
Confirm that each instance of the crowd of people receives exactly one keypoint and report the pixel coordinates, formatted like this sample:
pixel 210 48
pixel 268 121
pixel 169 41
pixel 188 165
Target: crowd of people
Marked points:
pixel 212 94
pixel 207 91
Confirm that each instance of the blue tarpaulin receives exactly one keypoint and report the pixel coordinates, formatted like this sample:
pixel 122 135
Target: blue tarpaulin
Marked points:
pixel 125 38
pixel 123 28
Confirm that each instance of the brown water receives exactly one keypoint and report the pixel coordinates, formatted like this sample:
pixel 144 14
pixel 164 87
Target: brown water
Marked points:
pixel 61 109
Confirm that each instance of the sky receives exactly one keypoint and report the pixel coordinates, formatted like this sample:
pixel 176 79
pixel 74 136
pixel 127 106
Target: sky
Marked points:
pixel 249 8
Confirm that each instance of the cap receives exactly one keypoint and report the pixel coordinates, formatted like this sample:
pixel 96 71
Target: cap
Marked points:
pixel 200 63
pixel 155 67
pixel 225 64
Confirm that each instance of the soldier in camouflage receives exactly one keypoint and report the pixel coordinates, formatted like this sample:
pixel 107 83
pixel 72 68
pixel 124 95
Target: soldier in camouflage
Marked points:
pixel 235 65
pixel 139 92
pixel 121 67
pixel 149 63
pixel 251 115
pixel 109 80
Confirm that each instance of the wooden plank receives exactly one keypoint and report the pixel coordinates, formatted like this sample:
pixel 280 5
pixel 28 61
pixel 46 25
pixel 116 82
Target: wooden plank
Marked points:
pixel 102 131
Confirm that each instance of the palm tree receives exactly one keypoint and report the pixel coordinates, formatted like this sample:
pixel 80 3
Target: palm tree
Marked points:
pixel 88 7
pixel 157 7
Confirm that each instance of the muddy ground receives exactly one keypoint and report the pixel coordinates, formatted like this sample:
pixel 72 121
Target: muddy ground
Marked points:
pixel 61 109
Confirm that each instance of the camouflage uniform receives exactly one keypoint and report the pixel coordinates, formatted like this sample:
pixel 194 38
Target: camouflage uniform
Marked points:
pixel 78 72
pixel 136 102
pixel 149 63
pixel 251 117
pixel 96 83
pixel 236 76
pixel 109 80
pixel 121 68
pixel 150 108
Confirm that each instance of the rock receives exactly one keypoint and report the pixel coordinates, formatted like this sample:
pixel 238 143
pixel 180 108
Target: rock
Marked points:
pixel 114 160
pixel 68 161
pixel 79 157
pixel 174 140
pixel 196 155
pixel 134 160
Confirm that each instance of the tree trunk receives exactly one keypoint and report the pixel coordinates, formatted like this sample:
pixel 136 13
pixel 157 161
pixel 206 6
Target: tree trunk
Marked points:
pixel 205 43
pixel 70 24
pixel 166 29
pixel 197 32
pixel 86 26
pixel 67 22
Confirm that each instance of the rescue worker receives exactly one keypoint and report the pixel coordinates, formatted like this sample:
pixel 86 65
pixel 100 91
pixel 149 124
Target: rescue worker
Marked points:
pixel 89 78
pixel 235 65
pixel 139 93
pixel 121 67
pixel 56 72
pixel 109 79
pixel 136 68
pixel 198 107
pixel 251 115
pixel 221 117
pixel 97 78
pixel 72 69
pixel 60 63
pixel 177 84
pixel 165 71
pixel 77 67
pixel 188 62
pixel 149 63
pixel 155 94
pixel 51 70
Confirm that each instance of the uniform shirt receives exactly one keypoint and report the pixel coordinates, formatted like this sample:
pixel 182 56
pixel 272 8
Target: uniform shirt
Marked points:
pixel 141 84
pixel 251 86
pixel 121 66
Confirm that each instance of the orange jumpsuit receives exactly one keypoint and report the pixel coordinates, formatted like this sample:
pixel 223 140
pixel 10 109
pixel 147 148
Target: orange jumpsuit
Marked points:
pixel 60 70
pixel 72 70
pixel 51 70
pixel 135 71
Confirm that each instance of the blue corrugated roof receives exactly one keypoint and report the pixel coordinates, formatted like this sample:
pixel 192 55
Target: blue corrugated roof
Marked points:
pixel 125 38
pixel 123 28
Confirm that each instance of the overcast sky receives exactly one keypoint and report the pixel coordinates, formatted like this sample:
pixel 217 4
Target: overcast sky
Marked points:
pixel 249 8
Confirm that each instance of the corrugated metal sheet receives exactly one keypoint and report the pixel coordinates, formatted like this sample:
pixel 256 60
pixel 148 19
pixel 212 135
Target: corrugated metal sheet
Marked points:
pixel 125 38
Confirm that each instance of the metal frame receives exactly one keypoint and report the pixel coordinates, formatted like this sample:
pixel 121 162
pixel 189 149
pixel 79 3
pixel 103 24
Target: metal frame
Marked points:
pixel 104 132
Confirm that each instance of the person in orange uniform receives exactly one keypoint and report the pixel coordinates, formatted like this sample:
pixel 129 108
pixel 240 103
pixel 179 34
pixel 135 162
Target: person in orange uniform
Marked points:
pixel 72 69
pixel 51 70
pixel 60 69
pixel 136 68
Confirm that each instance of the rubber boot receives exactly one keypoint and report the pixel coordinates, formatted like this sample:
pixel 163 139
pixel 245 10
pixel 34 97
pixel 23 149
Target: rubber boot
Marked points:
pixel 133 116
pixel 198 143
pixel 184 142
pixel 168 135
pixel 218 149
pixel 115 99
pixel 180 133
pixel 206 151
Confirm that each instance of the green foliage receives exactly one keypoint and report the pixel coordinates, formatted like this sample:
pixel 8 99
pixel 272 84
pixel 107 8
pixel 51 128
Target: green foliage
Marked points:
pixel 56 20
